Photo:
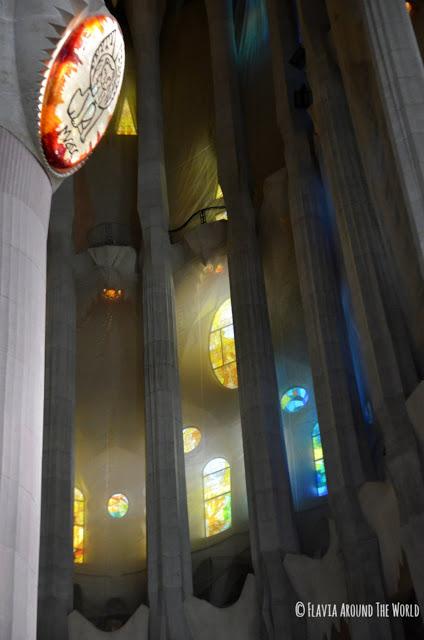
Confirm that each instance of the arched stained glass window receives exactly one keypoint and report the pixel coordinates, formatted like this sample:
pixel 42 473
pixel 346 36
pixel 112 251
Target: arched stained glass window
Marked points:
pixel 294 399
pixel 117 505
pixel 217 496
pixel 191 438
pixel 222 346
pixel 79 526
pixel 320 476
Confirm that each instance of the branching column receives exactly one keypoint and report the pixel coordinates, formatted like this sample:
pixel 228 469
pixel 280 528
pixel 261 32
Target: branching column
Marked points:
pixel 168 544
pixel 25 194
pixel 271 519
pixel 325 331
pixel 400 72
pixel 352 206
pixel 55 596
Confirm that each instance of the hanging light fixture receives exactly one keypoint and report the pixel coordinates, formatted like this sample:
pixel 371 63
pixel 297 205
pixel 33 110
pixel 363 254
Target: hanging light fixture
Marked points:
pixel 112 295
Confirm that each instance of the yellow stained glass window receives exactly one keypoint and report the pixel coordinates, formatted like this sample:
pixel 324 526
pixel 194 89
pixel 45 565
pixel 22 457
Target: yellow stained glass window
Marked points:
pixel 191 438
pixel 217 496
pixel 79 526
pixel 222 347
pixel 126 125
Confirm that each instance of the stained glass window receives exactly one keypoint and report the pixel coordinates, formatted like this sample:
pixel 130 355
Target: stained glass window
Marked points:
pixel 294 399
pixel 219 194
pixel 126 124
pixel 217 496
pixel 79 526
pixel 191 438
pixel 117 505
pixel 222 346
pixel 320 476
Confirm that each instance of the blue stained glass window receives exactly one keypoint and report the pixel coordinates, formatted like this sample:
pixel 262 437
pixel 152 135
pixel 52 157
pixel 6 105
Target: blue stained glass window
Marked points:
pixel 320 476
pixel 294 399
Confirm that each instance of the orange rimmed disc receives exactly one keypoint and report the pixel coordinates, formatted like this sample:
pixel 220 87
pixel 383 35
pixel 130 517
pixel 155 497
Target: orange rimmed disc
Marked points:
pixel 82 86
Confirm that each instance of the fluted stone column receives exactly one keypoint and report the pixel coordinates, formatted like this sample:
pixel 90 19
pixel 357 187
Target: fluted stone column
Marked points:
pixel 325 332
pixel 55 596
pixel 395 243
pixel 400 72
pixel 352 208
pixel 25 194
pixel 271 520
pixel 168 544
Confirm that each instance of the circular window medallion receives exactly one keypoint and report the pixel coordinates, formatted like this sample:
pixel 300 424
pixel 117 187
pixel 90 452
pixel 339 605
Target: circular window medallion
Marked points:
pixel 191 438
pixel 294 399
pixel 79 94
pixel 117 505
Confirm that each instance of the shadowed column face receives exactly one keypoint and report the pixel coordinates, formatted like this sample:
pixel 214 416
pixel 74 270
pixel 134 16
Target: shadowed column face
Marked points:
pixel 271 522
pixel 168 544
pixel 400 74
pixel 56 565
pixel 25 194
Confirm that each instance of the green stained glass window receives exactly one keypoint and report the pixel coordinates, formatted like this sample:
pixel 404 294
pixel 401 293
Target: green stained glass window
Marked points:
pixel 320 475
pixel 217 496
pixel 222 346
pixel 191 438
pixel 79 526
pixel 117 505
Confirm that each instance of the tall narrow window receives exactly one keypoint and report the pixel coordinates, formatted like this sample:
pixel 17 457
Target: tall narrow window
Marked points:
pixel 320 475
pixel 222 346
pixel 126 124
pixel 217 496
pixel 79 526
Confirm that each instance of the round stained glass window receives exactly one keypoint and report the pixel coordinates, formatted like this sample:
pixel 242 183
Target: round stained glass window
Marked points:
pixel 191 438
pixel 294 399
pixel 117 505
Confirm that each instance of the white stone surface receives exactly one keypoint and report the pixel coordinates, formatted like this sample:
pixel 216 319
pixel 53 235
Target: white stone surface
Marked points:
pixel 25 194
pixel 135 629
pixel 241 621
pixel 320 581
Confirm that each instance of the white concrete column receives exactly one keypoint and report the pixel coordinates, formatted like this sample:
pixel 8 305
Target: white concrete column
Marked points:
pixel 325 332
pixel 271 518
pixel 55 594
pixel 168 544
pixel 25 194
pixel 352 208
pixel 400 73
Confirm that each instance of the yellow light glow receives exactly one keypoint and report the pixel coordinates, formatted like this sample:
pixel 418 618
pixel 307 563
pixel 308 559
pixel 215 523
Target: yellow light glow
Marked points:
pixel 126 124
pixel 112 295
pixel 222 215
pixel 408 6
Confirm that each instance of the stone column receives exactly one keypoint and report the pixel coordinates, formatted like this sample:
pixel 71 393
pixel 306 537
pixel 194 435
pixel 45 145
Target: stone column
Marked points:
pixel 271 519
pixel 25 193
pixel 325 330
pixel 55 594
pixel 400 73
pixel 168 543
pixel 395 241
pixel 352 208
